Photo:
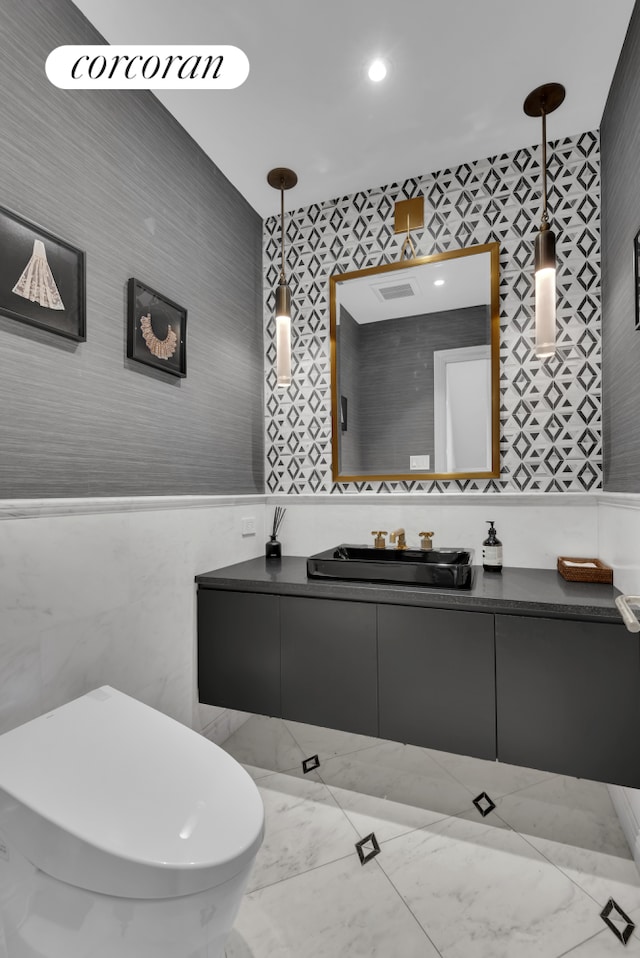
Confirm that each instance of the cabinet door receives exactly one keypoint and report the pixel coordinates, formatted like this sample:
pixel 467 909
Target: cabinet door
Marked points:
pixel 239 650
pixel 437 679
pixel 568 697
pixel 329 663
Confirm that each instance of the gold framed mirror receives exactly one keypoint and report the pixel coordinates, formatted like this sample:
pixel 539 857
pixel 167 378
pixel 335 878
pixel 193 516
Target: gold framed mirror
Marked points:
pixel 415 349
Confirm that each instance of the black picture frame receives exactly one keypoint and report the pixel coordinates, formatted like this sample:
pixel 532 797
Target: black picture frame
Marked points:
pixel 636 273
pixel 42 279
pixel 166 327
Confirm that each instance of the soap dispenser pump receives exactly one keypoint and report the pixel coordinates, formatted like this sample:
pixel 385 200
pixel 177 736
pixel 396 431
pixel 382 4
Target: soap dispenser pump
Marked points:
pixel 492 551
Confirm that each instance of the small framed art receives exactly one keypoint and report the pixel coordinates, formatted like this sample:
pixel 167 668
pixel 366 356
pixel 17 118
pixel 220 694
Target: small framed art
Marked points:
pixel 156 330
pixel 42 280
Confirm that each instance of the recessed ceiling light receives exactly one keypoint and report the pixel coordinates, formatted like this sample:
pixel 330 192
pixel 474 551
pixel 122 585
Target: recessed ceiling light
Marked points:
pixel 377 71
pixel 438 282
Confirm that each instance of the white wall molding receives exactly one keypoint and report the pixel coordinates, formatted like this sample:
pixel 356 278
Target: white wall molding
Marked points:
pixel 40 508
pixel 432 499
pixel 620 500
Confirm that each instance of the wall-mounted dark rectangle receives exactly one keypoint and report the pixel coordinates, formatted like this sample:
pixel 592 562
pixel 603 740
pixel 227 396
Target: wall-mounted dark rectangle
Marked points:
pixel 343 413
pixel 42 278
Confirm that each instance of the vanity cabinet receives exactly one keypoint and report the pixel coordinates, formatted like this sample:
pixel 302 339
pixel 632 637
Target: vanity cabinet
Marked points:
pixel 239 651
pixel 568 697
pixel 523 667
pixel 328 661
pixel 437 679
pixel 309 660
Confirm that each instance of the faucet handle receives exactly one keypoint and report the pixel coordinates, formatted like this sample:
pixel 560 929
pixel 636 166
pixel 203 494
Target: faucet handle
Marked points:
pixel 426 538
pixel 399 535
pixel 380 543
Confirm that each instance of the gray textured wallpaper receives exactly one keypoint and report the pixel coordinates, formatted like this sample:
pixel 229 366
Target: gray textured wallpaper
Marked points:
pixel 397 393
pixel 620 157
pixel 113 174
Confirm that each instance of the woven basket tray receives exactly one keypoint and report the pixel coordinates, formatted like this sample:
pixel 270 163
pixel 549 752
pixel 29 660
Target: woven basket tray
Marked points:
pixel 574 573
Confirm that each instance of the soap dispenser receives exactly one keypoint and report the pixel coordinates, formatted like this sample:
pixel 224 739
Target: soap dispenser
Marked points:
pixel 492 551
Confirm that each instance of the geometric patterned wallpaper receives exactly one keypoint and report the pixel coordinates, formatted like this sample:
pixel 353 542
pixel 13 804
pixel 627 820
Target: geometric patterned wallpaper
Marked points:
pixel 550 410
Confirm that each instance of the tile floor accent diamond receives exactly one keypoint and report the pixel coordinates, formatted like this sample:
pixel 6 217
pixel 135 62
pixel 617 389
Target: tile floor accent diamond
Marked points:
pixel 367 848
pixel 484 804
pixel 310 764
pixel 619 923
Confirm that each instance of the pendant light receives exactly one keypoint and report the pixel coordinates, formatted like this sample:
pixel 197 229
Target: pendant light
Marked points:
pixel 282 179
pixel 540 102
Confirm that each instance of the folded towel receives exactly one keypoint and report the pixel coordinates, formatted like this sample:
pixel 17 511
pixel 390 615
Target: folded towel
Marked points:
pixel 586 564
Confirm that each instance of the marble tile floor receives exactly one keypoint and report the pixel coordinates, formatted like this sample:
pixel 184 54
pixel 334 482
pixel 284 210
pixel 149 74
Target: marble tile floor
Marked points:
pixel 527 880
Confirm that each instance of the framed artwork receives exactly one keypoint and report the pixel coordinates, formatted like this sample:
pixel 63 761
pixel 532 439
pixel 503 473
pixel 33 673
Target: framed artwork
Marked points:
pixel 636 273
pixel 42 278
pixel 156 330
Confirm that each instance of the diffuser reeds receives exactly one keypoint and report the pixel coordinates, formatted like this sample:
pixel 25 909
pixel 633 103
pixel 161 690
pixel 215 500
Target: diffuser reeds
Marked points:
pixel 277 520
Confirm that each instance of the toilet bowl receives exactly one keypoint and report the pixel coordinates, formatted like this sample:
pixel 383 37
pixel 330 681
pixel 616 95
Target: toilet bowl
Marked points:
pixel 122 833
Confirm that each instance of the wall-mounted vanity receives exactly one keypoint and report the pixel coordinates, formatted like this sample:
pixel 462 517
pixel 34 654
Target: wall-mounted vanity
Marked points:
pixel 415 368
pixel 524 667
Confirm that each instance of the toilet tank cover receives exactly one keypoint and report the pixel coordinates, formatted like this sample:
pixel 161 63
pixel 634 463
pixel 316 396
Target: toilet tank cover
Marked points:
pixel 109 794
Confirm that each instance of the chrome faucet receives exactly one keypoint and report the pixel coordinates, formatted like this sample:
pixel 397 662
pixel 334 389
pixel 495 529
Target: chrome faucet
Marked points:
pixel 400 536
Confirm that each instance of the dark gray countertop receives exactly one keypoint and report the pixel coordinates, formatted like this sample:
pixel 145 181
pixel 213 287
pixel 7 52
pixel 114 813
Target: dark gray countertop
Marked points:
pixel 541 592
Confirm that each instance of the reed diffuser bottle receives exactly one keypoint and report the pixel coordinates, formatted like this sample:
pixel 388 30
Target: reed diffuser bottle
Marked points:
pixel 273 549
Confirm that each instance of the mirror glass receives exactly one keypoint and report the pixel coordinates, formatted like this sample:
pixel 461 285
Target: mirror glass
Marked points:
pixel 414 368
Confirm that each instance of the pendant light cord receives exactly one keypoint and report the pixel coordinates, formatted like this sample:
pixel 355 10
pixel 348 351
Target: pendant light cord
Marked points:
pixel 545 215
pixel 282 276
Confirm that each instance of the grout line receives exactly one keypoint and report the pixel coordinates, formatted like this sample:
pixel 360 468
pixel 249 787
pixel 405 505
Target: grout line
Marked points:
pixel 291 878
pixel 306 871
pixel 549 776
pixel 360 748
pixel 409 909
pixel 538 851
pixel 574 948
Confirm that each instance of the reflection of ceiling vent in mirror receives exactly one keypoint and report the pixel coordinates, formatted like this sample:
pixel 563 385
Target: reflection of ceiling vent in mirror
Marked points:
pixel 394 291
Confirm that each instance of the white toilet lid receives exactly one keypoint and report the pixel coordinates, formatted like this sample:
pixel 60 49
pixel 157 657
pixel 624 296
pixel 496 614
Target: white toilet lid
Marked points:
pixel 111 795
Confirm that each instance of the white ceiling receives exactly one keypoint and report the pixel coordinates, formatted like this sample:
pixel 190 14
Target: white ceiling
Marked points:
pixel 465 281
pixel 459 73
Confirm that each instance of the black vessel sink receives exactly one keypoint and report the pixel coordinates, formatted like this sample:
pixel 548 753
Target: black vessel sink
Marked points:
pixel 447 568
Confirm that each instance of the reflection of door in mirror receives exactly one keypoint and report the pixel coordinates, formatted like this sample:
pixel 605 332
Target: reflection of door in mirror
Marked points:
pixel 388 326
pixel 462 409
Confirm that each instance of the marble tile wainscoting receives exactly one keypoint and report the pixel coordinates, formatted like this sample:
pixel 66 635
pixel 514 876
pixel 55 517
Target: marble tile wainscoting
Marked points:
pixel 96 591
pixel 101 591
pixel 534 528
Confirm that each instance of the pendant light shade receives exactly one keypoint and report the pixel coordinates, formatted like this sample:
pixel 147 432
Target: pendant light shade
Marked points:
pixel 283 334
pixel 283 179
pixel 540 102
pixel 545 275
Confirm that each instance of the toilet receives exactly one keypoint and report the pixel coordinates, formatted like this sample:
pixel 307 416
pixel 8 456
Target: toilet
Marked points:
pixel 122 833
